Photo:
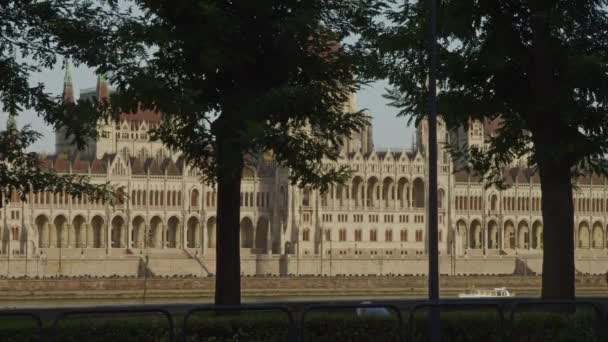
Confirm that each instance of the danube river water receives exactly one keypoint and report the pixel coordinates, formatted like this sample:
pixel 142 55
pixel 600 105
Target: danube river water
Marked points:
pixel 83 302
pixel 59 293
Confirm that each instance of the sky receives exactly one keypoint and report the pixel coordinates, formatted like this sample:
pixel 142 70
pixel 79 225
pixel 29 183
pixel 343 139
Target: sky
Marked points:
pixel 389 131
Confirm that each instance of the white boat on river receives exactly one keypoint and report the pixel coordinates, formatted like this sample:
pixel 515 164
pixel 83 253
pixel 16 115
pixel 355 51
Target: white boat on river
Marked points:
pixel 499 292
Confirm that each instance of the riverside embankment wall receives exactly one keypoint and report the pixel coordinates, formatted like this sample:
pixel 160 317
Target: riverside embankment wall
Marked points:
pixel 285 265
pixel 276 286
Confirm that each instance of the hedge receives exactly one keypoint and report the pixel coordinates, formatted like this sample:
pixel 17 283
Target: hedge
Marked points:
pixel 321 327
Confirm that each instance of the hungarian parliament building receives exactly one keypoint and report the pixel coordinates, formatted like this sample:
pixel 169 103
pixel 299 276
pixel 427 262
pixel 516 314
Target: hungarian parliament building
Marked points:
pixel 375 223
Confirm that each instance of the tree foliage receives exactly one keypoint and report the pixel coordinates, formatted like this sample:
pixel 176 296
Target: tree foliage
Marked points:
pixel 20 171
pixel 33 35
pixel 272 72
pixel 241 78
pixel 540 67
pixel 490 68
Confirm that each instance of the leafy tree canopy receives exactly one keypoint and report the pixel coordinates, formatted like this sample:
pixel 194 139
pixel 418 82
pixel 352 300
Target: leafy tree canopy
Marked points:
pixel 269 75
pixel 541 67
pixel 239 78
pixel 33 35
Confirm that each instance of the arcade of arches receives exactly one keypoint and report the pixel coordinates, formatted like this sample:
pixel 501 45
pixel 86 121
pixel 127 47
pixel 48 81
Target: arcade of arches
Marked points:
pixel 141 233
pixel 374 193
pixel 521 235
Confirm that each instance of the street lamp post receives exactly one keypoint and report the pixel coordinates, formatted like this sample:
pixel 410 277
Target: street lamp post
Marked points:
pixel 433 219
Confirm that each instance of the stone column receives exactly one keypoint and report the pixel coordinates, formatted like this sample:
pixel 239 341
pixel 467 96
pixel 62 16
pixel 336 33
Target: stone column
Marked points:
pixel 106 238
pixel 52 235
pixel 125 237
pixel 71 237
pixel 88 235
pixel 501 236
pixel 282 239
pixel 203 239
pixel 44 236
pixel 143 232
pixel 197 235
pixel 183 243
pixel 487 237
pixel 268 239
pixel 139 235
pixel 154 239
pixel 163 235
pixel 254 236
pixel 2 242
pixel 64 235
pixel 29 246
pixel 364 185
pixel 128 235
pixel 347 195
pixel 394 196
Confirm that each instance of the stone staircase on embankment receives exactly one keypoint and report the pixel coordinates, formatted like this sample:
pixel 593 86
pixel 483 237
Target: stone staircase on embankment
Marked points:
pixel 174 262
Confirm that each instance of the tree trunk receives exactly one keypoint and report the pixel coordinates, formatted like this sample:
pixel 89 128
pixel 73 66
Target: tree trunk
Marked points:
pixel 558 230
pixel 228 258
pixel 551 138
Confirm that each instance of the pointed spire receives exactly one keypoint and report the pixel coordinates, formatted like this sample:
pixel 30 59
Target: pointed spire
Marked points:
pixel 103 91
pixel 68 85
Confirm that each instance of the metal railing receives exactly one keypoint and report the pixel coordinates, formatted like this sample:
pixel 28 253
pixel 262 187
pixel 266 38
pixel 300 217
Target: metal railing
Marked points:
pixel 327 308
pixel 459 306
pixel 122 311
pixel 402 318
pixel 291 331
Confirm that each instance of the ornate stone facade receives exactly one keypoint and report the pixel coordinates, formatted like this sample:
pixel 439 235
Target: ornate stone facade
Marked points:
pixel 373 224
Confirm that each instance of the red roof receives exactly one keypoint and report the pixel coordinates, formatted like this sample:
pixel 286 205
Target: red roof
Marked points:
pixel 597 179
pixel 154 167
pixel 99 166
pixel 80 166
pixel 137 166
pixel 62 165
pixel 171 168
pixel 142 115
pixel 534 176
pixel 583 179
pixel 461 176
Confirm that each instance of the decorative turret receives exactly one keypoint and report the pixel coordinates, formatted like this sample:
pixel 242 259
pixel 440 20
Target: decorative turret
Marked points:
pixel 68 85
pixel 103 91
pixel 370 137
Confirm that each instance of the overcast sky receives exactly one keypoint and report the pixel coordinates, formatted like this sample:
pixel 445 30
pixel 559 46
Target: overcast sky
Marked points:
pixel 389 131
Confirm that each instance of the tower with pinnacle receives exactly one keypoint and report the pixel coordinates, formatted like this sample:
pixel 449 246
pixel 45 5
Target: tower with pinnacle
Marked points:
pixel 63 144
pixel 361 141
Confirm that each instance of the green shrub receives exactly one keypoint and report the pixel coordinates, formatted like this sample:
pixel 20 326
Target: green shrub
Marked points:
pixel 338 326
pixel 555 327
pixel 120 328
pixel 17 329
pixel 245 326
pixel 332 328
pixel 457 326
